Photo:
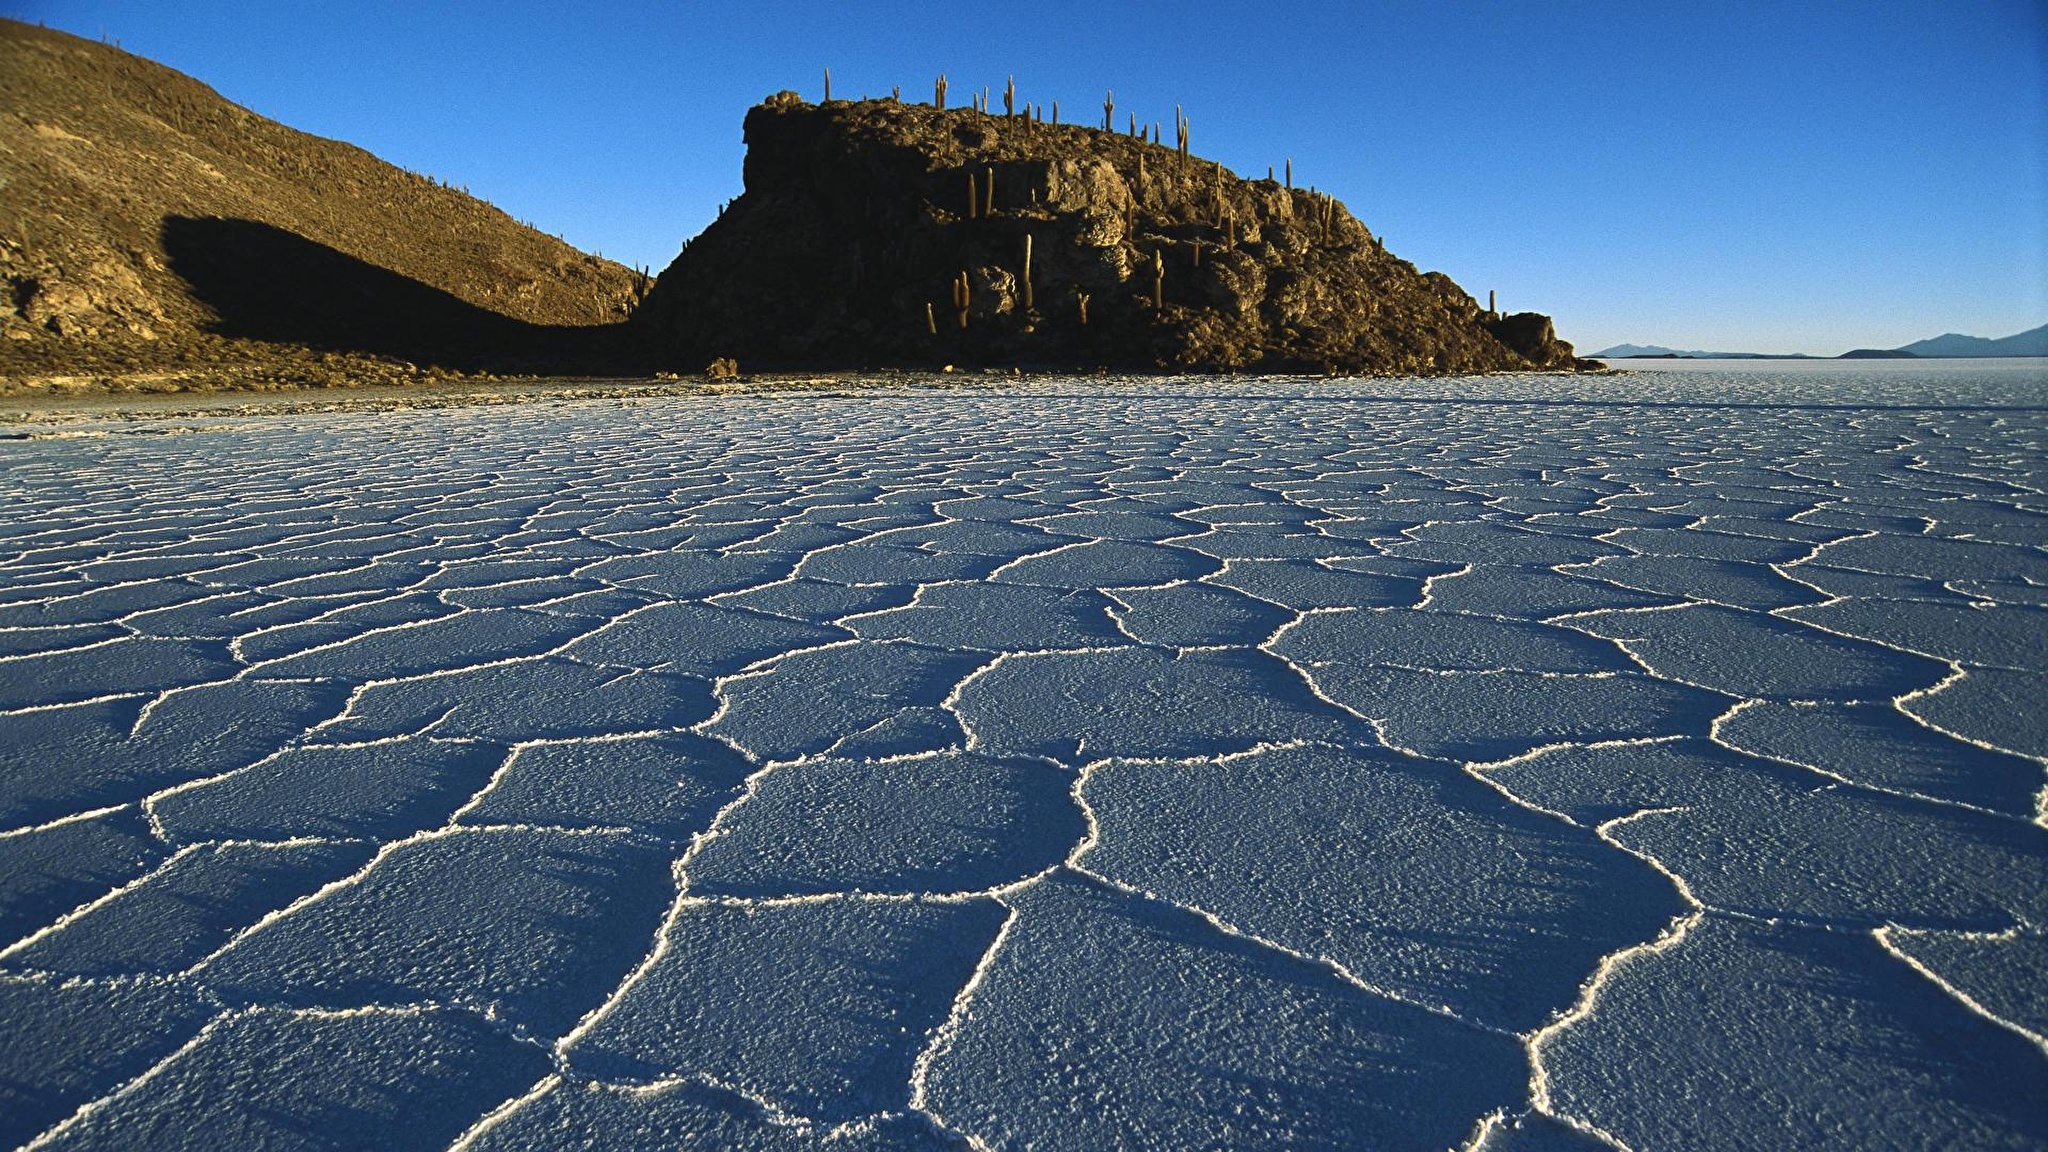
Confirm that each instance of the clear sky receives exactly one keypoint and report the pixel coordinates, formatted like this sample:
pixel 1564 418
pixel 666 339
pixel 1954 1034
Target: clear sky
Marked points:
pixel 1808 176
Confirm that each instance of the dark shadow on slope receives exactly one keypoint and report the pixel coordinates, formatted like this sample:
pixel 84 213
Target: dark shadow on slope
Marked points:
pixel 266 283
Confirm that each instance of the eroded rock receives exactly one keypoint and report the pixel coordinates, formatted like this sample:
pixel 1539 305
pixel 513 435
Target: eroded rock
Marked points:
pixel 865 223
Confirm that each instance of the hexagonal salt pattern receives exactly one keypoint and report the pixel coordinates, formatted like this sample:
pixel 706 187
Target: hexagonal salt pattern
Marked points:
pixel 1649 762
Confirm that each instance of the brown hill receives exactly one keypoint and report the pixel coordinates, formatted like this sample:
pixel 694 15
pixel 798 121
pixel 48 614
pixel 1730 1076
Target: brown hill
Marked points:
pixel 879 233
pixel 147 222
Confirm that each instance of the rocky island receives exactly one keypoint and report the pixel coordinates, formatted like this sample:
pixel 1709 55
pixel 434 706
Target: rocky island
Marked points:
pixel 879 233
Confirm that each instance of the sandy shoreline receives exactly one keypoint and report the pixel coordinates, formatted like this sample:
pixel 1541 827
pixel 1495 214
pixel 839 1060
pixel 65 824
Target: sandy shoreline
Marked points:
pixel 68 406
pixel 67 400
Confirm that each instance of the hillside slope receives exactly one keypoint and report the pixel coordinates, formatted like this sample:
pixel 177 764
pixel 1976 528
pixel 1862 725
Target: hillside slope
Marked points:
pixel 145 220
pixel 879 233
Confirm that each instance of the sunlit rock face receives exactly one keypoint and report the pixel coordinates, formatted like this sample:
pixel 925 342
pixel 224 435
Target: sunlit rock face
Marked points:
pixel 878 233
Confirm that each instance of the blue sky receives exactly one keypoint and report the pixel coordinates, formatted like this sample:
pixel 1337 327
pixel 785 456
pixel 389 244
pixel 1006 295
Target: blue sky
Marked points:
pixel 1749 176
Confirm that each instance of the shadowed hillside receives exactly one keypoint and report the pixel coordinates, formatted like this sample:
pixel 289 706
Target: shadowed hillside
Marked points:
pixel 146 222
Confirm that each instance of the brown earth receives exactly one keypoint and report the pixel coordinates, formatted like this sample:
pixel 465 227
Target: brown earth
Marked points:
pixel 147 225
pixel 877 233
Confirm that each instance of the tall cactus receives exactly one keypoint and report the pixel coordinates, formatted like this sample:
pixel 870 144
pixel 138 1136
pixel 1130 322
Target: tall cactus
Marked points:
pixel 828 86
pixel 939 93
pixel 1158 281
pixel 973 197
pixel 1027 272
pixel 1109 111
pixel 1010 98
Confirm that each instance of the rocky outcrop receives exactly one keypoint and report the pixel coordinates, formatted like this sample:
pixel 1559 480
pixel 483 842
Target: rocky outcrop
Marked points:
pixel 879 233
pixel 1532 337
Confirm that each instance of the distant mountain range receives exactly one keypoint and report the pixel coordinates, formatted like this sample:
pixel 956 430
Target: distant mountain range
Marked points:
pixel 2033 342
pixel 1659 351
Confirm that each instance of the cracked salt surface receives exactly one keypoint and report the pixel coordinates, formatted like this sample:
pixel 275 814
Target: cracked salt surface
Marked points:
pixel 1515 763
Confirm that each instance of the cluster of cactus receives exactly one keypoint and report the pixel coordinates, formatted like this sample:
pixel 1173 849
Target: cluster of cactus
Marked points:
pixel 963 295
pixel 1035 113
pixel 981 198
pixel 1325 213
pixel 978 101
pixel 981 194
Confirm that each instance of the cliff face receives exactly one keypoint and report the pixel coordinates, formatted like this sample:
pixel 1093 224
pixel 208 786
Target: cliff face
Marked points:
pixel 145 220
pixel 877 233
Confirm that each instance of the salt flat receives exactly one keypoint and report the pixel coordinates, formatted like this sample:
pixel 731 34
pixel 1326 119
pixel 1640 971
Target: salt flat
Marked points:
pixel 1521 763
